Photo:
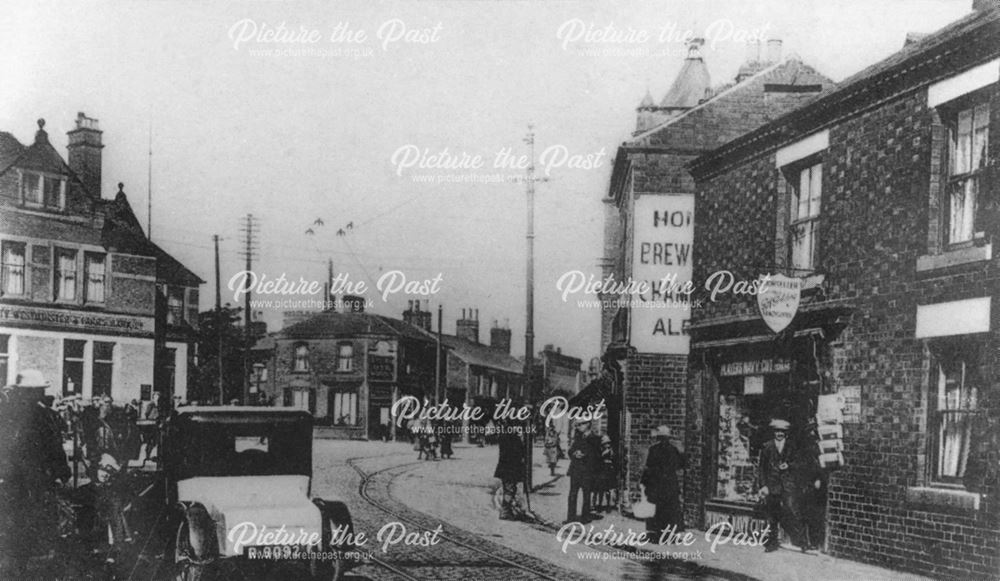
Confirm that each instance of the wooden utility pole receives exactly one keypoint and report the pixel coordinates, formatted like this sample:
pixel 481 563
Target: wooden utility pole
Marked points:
pixel 250 241
pixel 218 322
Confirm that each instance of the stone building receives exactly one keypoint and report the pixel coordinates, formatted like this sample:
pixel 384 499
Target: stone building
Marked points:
pixel 85 296
pixel 874 208
pixel 649 226
pixel 348 369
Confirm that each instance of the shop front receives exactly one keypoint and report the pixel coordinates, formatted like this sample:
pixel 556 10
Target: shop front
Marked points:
pixel 749 377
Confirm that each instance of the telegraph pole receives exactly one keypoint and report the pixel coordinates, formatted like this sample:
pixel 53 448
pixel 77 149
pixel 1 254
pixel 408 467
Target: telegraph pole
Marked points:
pixel 250 242
pixel 218 321
pixel 529 327
pixel 437 358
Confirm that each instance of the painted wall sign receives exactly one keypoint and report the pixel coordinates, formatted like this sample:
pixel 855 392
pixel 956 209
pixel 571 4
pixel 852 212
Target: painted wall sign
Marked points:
pixel 661 256
pixel 755 367
pixel 35 317
pixel 779 301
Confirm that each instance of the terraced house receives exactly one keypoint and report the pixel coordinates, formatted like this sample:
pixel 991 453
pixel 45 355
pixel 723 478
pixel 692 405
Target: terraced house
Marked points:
pixel 879 201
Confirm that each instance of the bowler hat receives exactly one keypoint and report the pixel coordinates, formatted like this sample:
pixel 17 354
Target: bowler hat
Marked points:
pixel 780 425
pixel 663 431
pixel 31 378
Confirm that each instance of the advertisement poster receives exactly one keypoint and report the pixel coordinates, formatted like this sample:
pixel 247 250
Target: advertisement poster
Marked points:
pixel 499 289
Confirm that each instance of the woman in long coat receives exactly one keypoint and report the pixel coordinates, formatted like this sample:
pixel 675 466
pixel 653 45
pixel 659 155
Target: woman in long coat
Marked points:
pixel 551 448
pixel 510 469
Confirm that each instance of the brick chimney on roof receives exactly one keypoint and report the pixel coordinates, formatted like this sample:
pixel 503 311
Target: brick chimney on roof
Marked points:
pixel 417 317
pixel 85 153
pixel 500 338
pixel 468 326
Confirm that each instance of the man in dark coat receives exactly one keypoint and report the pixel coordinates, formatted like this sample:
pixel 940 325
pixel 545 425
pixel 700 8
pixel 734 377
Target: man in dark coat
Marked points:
pixel 584 464
pixel 662 484
pixel 32 460
pixel 510 468
pixel 780 480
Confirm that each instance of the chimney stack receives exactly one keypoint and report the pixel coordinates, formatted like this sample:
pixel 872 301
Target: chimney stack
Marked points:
pixel 354 304
pixel 773 51
pixel 85 153
pixel 468 326
pixel 500 338
pixel 417 317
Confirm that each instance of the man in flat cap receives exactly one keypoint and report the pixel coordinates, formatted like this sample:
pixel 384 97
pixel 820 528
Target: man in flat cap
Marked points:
pixel 662 484
pixel 779 482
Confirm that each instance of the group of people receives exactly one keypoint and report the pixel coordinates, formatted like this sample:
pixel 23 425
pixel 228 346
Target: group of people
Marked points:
pixel 431 439
pixel 592 474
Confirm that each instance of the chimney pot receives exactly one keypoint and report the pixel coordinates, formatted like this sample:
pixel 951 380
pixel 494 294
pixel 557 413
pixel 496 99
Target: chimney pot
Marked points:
pixel 774 50
pixel 753 51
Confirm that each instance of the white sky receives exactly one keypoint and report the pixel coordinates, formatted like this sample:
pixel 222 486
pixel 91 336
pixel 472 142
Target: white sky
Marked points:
pixel 291 138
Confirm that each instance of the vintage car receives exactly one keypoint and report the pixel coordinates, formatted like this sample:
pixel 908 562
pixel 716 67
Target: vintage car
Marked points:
pixel 238 487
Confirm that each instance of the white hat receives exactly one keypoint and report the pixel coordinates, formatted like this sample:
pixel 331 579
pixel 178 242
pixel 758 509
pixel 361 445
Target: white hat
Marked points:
pixel 31 378
pixel 780 425
pixel 664 431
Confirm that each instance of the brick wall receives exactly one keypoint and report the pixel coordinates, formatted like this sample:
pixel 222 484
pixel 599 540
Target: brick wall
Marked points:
pixel 878 217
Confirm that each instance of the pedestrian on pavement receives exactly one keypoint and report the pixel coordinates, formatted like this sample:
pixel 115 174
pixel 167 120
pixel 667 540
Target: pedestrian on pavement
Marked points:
pixel 606 488
pixel 32 466
pixel 662 484
pixel 779 479
pixel 510 469
pixel 551 447
pixel 584 461
pixel 814 479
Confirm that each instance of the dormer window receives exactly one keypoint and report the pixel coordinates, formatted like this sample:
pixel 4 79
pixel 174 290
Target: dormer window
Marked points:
pixel 43 190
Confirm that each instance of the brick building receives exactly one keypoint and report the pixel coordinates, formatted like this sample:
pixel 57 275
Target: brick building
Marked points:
pixel 348 368
pixel 648 230
pixel 85 296
pixel 879 201
pixel 479 374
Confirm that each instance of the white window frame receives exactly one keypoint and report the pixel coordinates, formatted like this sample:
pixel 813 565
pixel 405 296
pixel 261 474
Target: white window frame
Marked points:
pixel 966 163
pixel 89 293
pixel 6 266
pixel 345 362
pixel 38 191
pixel 300 358
pixel 805 211
pixel 952 437
pixel 59 278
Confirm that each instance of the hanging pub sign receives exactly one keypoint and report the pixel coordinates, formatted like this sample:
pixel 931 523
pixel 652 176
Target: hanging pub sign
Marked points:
pixel 779 300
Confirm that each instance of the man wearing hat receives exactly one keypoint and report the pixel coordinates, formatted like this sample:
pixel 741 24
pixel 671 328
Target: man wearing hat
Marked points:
pixel 584 462
pixel 662 485
pixel 779 484
pixel 31 461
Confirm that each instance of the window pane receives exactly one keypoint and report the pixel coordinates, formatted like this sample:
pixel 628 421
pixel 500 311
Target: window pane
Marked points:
pixel 32 191
pixel 815 188
pixel 963 157
pixel 980 138
pixel 962 210
pixel 66 275
pixel 802 196
pixel 103 351
pixel 95 277
pixel 957 402
pixel 73 349
pixel 13 268
pixel 52 187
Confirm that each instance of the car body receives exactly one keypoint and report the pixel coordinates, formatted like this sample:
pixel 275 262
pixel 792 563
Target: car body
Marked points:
pixel 238 481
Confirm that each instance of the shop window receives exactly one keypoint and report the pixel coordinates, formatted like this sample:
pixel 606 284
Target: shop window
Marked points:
pixel 73 367
pixel 345 357
pixel 807 185
pixel 343 408
pixel 103 367
pixel 39 190
pixel 968 138
pixel 4 357
pixel 301 362
pixel 65 274
pixel 13 268
pixel 956 405
pixel 94 271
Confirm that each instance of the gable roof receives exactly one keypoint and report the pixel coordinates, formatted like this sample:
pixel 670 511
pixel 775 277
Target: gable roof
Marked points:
pixel 10 150
pixel 690 86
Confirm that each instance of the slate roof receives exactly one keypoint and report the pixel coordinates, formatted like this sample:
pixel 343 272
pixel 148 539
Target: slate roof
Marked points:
pixel 39 156
pixel 482 355
pixel 690 86
pixel 333 325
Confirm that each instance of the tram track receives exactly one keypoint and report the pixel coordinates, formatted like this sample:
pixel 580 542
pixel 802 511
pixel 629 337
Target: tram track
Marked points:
pixel 367 480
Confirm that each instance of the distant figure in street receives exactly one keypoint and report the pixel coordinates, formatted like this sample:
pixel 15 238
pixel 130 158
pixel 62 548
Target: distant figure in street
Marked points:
pixel 584 461
pixel 510 469
pixel 662 484
pixel 551 447
pixel 814 479
pixel 32 462
pixel 779 478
